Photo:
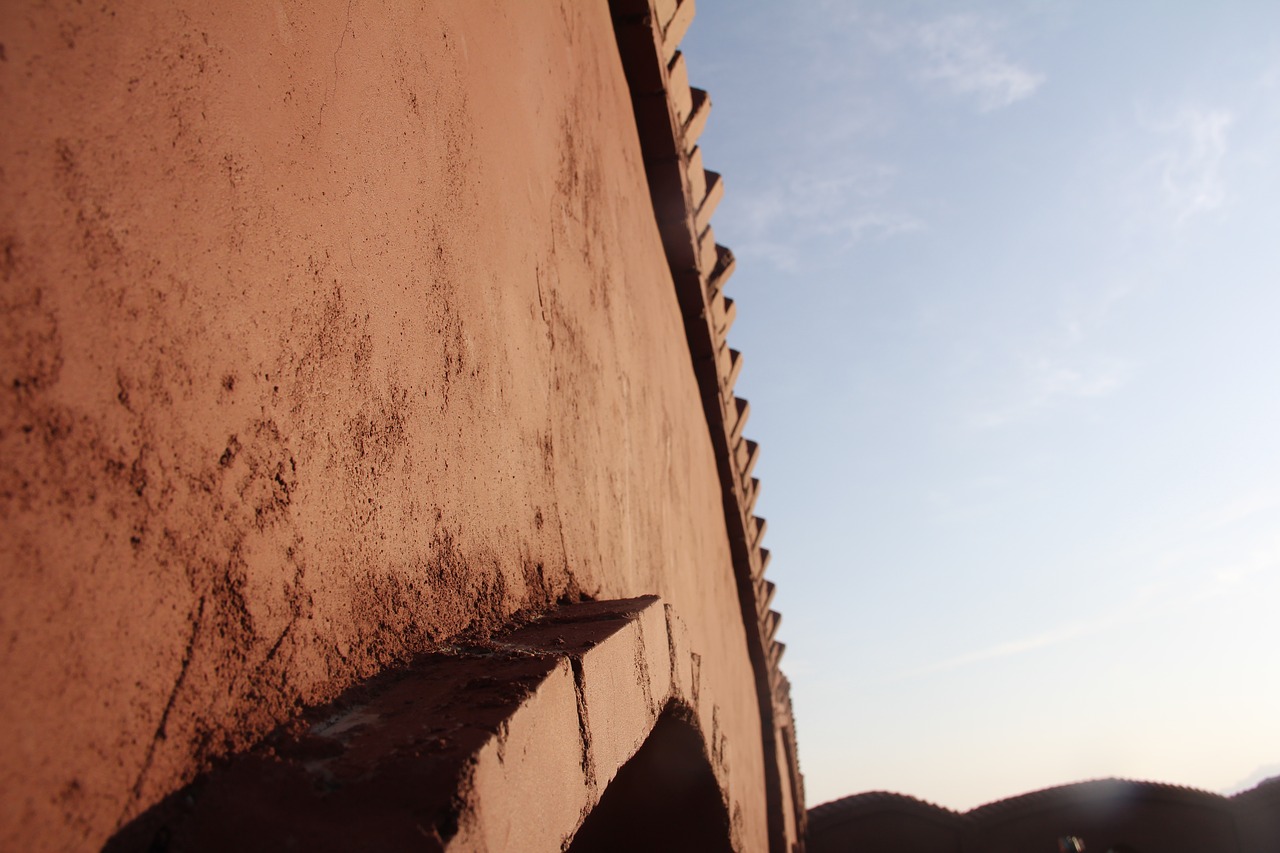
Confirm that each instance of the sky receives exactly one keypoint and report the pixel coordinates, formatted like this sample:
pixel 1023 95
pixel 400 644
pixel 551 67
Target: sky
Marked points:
pixel 1008 294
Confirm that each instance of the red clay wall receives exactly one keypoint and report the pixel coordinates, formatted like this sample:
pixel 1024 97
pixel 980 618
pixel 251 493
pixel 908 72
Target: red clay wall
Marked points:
pixel 329 330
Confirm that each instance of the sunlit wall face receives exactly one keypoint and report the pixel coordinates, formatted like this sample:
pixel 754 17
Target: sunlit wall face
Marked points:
pixel 1008 296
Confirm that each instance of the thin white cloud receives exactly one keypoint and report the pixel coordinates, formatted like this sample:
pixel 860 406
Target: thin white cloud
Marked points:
pixel 1238 509
pixel 1262 561
pixel 1014 647
pixel 1050 382
pixel 781 255
pixel 1270 77
pixel 1240 578
pixel 961 56
pixel 1190 166
pixel 844 200
pixel 1053 380
pixel 871 225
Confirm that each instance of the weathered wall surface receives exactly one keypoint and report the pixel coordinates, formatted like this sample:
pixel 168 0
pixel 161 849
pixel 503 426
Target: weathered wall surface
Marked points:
pixel 328 331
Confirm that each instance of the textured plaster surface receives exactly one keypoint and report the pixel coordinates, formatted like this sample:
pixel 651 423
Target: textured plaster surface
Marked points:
pixel 328 331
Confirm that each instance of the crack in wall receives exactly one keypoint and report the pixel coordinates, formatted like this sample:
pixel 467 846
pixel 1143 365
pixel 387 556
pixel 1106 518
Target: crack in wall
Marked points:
pixel 672 654
pixel 346 28
pixel 642 669
pixel 584 723
pixel 160 734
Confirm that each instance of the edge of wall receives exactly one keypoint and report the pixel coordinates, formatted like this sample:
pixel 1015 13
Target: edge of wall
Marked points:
pixel 670 116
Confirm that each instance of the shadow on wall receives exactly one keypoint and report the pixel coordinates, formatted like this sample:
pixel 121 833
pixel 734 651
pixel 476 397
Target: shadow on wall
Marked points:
pixel 664 798
pixel 492 745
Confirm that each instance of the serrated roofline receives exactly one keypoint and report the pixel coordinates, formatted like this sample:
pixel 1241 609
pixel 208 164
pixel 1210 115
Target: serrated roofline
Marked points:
pixel 670 116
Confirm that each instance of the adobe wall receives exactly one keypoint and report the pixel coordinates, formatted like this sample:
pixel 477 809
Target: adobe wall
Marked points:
pixel 329 330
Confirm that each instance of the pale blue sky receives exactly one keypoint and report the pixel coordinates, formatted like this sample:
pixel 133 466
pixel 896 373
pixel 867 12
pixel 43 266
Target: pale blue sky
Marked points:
pixel 1009 297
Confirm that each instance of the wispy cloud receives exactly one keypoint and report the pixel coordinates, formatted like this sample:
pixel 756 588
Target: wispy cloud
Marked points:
pixel 1262 560
pixel 816 194
pixel 855 227
pixel 1015 647
pixel 833 194
pixel 1215 579
pixel 961 55
pixel 844 201
pixel 1238 509
pixel 1049 382
pixel 1190 165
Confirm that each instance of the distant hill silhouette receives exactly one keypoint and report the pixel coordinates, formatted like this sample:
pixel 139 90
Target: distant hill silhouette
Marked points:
pixel 1106 814
pixel 1265 773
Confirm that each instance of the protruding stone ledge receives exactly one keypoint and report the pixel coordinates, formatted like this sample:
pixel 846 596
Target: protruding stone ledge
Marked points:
pixel 506 743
